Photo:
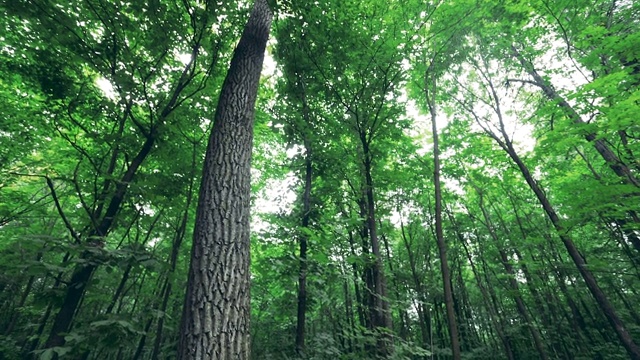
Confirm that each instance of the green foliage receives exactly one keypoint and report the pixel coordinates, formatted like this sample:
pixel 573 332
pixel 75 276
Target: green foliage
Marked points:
pixel 86 84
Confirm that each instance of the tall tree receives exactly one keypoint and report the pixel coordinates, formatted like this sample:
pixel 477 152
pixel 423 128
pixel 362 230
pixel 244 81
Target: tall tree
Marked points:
pixel 347 235
pixel 75 44
pixel 430 88
pixel 500 135
pixel 215 323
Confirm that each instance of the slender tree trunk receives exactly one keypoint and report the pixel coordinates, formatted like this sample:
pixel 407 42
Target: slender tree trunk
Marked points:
pixel 119 289
pixel 359 298
pixel 605 306
pixel 23 299
pixel 348 311
pixel 143 340
pixel 495 320
pixel 631 235
pixel 603 302
pixel 423 319
pixel 102 221
pixel 29 346
pixel 613 160
pixel 575 318
pixel 512 347
pixel 469 335
pixel 601 299
pixel 215 320
pixel 368 277
pixel 513 283
pixel 302 276
pixel 82 273
pixel 548 321
pixel 173 258
pixel 430 87
pixel 485 296
pixel 402 313
pixel 381 311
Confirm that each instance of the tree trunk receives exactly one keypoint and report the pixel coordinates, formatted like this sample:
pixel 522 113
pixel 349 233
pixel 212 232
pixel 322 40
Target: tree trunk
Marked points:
pixel 442 246
pixel 381 312
pixel 360 303
pixel 510 341
pixel 549 320
pixel 423 318
pixel 23 299
pixel 402 330
pixel 621 170
pixel 613 160
pixel 486 298
pixel 82 273
pixel 302 276
pixel 215 320
pixel 513 283
pixel 173 258
pixel 601 299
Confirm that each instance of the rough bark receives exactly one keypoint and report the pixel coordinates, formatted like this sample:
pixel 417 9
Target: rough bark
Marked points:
pixel 215 321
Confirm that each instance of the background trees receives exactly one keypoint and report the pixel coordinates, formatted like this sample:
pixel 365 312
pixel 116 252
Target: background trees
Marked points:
pixel 106 105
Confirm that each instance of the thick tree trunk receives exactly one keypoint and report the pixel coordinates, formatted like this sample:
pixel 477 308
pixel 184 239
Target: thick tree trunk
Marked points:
pixel 215 321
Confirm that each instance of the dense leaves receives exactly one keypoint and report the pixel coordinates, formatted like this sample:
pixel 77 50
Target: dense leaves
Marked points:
pixel 106 106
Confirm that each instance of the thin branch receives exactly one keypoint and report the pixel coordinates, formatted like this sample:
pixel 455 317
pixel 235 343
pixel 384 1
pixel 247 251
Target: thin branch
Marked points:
pixel 54 195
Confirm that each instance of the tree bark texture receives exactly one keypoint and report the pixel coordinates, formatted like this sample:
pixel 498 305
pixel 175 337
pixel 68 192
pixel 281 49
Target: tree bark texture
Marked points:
pixel 215 322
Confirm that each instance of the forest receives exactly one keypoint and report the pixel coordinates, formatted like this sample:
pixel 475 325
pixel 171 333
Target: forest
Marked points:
pixel 332 179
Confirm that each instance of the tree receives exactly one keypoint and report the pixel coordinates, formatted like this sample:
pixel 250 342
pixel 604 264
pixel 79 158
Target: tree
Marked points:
pixel 108 142
pixel 502 138
pixel 215 322
pixel 529 221
pixel 430 88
